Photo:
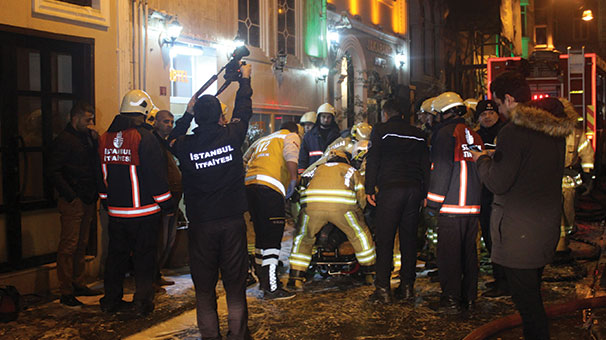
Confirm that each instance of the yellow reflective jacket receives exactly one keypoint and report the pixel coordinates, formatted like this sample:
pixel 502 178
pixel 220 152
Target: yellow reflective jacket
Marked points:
pixel 579 149
pixel 334 186
pixel 267 165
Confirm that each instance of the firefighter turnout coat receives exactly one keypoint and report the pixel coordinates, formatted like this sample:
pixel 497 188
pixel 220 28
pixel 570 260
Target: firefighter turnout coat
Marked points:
pixel 335 194
pixel 454 186
pixel 134 171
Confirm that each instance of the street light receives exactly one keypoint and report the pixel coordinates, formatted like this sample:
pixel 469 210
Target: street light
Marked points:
pixel 587 15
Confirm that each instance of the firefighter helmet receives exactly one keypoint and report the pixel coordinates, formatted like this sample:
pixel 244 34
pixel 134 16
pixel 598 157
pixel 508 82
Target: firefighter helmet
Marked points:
pixel 361 131
pixel 309 117
pixel 300 130
pixel 151 116
pixel 448 101
pixel 426 105
pixel 471 103
pixel 360 149
pixel 336 155
pixel 136 101
pixel 327 108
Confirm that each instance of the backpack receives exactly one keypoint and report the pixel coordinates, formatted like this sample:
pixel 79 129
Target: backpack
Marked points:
pixel 9 303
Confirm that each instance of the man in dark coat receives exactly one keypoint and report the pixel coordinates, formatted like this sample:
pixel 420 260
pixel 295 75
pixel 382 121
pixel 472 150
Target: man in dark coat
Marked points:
pixel 525 174
pixel 490 125
pixel 74 168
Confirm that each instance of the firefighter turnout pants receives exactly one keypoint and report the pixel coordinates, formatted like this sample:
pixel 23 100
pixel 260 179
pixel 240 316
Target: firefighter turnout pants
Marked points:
pixel 220 245
pixel 457 257
pixel 351 222
pixel 266 207
pixel 137 236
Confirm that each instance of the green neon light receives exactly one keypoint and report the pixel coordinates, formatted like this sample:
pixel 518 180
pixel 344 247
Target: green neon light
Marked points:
pixel 315 35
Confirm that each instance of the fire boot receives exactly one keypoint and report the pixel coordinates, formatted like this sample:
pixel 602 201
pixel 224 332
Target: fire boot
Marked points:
pixel 296 280
pixel 369 274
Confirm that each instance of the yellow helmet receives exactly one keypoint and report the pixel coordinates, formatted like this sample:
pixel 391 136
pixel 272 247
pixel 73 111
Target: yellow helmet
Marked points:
pixel 360 149
pixel 309 117
pixel 300 130
pixel 447 101
pixel 136 101
pixel 426 105
pixel 327 108
pixel 361 131
pixel 338 153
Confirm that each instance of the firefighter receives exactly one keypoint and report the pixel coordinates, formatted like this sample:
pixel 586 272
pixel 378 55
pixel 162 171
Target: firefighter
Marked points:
pixel 335 195
pixel 324 132
pixel 454 195
pixel 357 139
pixel 134 190
pixel 308 120
pixel 578 172
pixel 427 117
pixel 271 177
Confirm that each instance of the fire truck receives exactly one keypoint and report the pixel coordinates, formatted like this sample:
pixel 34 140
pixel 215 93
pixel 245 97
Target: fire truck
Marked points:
pixel 577 76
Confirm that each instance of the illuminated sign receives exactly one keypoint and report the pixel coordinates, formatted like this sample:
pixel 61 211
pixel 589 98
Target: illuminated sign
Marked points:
pixel 379 47
pixel 178 76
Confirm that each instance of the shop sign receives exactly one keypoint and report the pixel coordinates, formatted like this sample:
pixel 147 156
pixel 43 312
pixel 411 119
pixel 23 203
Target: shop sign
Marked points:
pixel 178 76
pixel 379 47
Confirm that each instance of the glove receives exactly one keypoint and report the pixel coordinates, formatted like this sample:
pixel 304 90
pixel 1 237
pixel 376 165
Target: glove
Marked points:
pixel 291 188
pixel 431 211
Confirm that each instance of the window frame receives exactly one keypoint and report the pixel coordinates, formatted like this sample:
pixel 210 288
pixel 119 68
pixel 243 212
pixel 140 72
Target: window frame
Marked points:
pixel 97 15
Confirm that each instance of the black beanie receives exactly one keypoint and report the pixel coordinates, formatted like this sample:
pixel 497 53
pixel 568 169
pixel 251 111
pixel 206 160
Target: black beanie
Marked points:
pixel 485 105
pixel 207 110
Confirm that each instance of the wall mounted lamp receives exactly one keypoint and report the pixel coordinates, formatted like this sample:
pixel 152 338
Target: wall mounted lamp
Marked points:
pixel 279 62
pixel 587 15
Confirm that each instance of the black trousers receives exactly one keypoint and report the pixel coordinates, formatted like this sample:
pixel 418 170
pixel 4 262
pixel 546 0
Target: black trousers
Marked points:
pixel 397 209
pixel 139 237
pixel 525 288
pixel 213 246
pixel 266 207
pixel 458 257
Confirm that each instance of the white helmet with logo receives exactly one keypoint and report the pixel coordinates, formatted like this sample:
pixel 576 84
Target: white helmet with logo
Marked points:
pixel 448 101
pixel 136 101
pixel 327 108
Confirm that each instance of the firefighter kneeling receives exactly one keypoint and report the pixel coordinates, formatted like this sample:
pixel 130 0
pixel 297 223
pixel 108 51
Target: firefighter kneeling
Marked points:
pixel 335 195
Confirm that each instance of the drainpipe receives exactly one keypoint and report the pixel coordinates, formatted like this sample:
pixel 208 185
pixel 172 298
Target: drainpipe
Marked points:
pixel 145 13
pixel 133 47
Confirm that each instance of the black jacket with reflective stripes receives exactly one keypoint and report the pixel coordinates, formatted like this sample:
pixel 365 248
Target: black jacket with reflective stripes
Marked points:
pixel 314 145
pixel 454 186
pixel 398 156
pixel 134 171
pixel 211 162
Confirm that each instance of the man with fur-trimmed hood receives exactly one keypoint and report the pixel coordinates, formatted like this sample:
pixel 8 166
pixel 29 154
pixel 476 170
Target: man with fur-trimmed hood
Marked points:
pixel 525 174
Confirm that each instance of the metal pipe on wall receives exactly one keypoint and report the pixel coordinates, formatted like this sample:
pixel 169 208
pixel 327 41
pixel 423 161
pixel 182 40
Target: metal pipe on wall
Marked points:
pixel 145 13
pixel 139 41
pixel 133 43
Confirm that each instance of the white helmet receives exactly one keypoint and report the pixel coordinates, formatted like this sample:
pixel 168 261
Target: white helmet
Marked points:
pixel 471 103
pixel 327 108
pixel 136 101
pixel 447 101
pixel 309 117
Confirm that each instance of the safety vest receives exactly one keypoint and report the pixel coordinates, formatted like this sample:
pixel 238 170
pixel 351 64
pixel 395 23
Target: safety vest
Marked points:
pixel 267 165
pixel 334 186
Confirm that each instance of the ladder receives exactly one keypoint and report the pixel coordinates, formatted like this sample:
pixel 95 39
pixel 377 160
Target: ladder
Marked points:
pixel 576 71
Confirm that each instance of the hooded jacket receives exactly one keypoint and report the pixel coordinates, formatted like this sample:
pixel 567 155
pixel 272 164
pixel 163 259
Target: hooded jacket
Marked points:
pixel 134 170
pixel 211 161
pixel 313 145
pixel 525 174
